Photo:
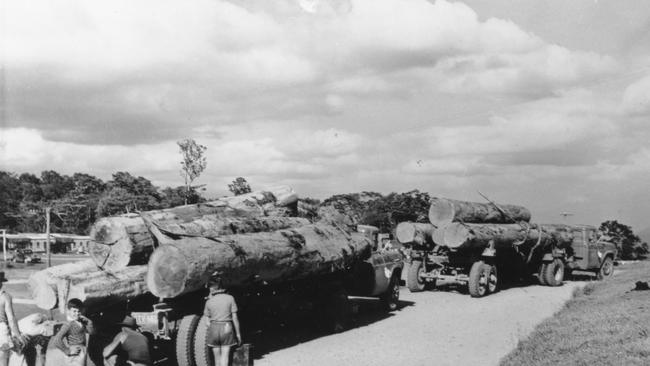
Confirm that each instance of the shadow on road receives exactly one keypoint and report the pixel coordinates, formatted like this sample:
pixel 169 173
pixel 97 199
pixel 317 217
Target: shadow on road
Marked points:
pixel 275 335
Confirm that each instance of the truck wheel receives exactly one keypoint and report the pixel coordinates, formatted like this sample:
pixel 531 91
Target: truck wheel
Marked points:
pixel 541 274
pixel 606 269
pixel 185 340
pixel 492 278
pixel 202 353
pixel 554 273
pixel 414 280
pixel 390 298
pixel 478 279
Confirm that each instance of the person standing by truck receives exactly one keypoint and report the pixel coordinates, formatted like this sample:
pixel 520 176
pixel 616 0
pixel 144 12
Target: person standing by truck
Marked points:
pixel 223 324
pixel 129 347
pixel 8 324
pixel 71 338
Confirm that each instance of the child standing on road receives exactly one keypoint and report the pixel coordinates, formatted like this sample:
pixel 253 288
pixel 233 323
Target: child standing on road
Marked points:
pixel 221 314
pixel 71 338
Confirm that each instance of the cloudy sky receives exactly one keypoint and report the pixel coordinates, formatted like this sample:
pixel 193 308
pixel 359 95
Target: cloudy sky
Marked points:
pixel 539 103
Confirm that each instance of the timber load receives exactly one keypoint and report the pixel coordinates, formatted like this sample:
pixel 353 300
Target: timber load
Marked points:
pixel 118 242
pixel 444 211
pixel 54 286
pixel 184 264
pixel 421 234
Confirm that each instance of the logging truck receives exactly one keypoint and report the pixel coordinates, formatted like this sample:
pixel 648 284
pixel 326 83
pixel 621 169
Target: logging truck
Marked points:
pixel 475 255
pixel 479 244
pixel 588 252
pixel 176 323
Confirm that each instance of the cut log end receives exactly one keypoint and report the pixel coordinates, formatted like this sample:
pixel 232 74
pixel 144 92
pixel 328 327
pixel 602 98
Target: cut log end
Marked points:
pixel 44 296
pixel 168 269
pixel 441 212
pixel 456 235
pixel 405 232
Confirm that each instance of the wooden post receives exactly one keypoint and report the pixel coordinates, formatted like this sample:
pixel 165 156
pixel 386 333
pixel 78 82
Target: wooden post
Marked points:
pixel 4 246
pixel 47 236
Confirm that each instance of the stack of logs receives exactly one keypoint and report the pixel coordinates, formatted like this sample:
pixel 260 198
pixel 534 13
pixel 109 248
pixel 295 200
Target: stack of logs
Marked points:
pixel 251 238
pixel 466 225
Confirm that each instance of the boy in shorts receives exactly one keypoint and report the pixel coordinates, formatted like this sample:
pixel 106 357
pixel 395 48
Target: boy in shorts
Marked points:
pixel 221 314
pixel 71 338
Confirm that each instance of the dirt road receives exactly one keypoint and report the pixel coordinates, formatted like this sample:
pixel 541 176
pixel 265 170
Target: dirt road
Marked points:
pixel 434 328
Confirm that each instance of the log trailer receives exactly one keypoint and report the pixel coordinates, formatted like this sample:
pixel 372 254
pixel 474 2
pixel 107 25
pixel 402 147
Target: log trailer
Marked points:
pixel 479 256
pixel 177 325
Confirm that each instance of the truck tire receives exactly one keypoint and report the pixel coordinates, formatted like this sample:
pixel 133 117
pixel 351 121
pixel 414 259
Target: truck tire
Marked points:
pixel 554 273
pixel 478 279
pixel 492 278
pixel 202 353
pixel 606 269
pixel 540 274
pixel 185 340
pixel 413 279
pixel 390 298
pixel 335 309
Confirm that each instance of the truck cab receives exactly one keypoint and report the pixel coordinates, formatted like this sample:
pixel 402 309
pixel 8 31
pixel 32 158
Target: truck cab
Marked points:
pixel 380 274
pixel 591 252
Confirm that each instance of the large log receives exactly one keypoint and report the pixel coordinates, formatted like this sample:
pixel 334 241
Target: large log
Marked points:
pixel 444 211
pixel 184 265
pixel 414 233
pixel 99 289
pixel 43 284
pixel 118 242
pixel 477 236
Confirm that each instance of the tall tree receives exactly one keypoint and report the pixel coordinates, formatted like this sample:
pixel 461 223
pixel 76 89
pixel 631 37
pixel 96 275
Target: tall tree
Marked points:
pixel 623 236
pixel 193 163
pixel 10 197
pixel 239 186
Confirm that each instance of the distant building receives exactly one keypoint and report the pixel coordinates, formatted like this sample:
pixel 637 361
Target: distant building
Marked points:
pixel 37 242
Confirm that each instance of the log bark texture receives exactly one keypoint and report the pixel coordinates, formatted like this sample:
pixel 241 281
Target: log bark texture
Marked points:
pixel 184 265
pixel 476 236
pixel 444 211
pixel 414 233
pixel 118 242
pixel 99 289
pixel 43 284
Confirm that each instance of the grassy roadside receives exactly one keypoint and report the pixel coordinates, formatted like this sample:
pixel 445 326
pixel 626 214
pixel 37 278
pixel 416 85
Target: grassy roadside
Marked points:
pixel 604 324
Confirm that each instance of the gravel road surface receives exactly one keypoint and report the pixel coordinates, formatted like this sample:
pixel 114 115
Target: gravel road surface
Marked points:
pixel 435 328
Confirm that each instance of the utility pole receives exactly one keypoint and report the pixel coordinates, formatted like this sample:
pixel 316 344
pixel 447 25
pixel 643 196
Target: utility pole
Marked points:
pixel 47 236
pixel 4 246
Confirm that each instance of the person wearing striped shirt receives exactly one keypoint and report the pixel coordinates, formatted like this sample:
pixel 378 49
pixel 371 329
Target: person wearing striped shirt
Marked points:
pixel 71 338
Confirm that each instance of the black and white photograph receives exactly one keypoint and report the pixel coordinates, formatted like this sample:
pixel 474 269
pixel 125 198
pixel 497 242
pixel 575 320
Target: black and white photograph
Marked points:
pixel 324 182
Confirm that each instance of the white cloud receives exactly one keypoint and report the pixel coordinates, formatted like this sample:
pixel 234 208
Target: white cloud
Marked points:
pixel 636 98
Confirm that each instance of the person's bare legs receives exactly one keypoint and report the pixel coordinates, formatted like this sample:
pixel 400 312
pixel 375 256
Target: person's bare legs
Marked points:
pixel 216 352
pixel 4 358
pixel 225 355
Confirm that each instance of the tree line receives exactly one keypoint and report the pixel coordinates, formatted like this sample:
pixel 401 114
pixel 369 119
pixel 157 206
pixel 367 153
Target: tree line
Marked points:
pixel 76 202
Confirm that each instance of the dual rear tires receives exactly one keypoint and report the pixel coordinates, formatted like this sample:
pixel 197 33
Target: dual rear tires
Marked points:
pixel 551 273
pixel 483 279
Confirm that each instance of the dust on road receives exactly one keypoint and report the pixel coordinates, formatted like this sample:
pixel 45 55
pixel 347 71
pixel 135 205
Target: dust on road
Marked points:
pixel 438 328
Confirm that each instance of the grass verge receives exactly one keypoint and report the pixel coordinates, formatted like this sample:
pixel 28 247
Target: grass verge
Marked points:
pixel 606 323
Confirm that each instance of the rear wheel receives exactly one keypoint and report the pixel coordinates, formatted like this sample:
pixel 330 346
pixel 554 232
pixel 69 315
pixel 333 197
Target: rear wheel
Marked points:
pixel 478 279
pixel 414 279
pixel 554 273
pixel 606 269
pixel 390 298
pixel 492 278
pixel 202 353
pixel 541 274
pixel 185 340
